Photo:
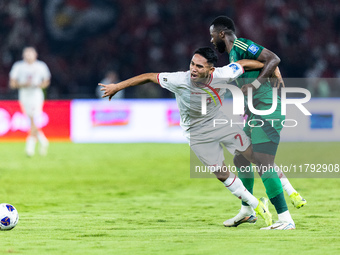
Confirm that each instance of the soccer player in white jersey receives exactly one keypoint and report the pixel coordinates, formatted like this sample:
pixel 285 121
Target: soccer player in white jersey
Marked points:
pixel 203 138
pixel 30 76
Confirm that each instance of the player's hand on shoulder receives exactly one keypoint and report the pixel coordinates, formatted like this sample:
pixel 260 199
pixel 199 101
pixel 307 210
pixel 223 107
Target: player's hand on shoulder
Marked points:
pixel 245 87
pixel 278 83
pixel 277 79
pixel 109 89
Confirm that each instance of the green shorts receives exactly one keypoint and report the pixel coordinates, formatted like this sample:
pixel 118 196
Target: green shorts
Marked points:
pixel 266 148
pixel 265 128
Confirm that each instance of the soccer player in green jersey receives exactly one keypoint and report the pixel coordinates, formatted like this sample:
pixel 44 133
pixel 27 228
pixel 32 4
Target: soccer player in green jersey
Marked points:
pixel 265 135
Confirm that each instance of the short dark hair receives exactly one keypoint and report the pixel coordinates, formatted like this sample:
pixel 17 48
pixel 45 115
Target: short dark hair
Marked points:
pixel 224 23
pixel 207 53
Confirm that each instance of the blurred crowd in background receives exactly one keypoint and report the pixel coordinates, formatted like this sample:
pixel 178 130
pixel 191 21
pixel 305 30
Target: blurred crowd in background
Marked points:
pixel 83 41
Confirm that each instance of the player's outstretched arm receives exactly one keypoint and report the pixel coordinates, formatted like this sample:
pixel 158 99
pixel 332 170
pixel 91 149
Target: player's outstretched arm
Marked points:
pixel 111 89
pixel 249 64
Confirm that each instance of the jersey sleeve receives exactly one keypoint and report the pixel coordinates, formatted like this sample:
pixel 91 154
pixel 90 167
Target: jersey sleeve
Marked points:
pixel 171 81
pixel 229 72
pixel 248 49
pixel 46 74
pixel 13 74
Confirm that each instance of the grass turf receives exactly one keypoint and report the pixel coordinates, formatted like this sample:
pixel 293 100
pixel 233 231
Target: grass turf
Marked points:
pixel 140 199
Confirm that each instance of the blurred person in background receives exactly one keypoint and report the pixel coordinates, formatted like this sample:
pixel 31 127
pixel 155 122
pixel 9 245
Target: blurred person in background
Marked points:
pixel 30 76
pixel 110 77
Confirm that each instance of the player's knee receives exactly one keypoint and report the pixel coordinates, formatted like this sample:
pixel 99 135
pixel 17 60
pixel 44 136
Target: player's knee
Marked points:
pixel 264 159
pixel 221 178
pixel 240 161
pixel 221 174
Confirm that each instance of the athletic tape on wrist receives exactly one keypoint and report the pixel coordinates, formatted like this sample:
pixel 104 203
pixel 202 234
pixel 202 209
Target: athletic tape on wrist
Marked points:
pixel 256 83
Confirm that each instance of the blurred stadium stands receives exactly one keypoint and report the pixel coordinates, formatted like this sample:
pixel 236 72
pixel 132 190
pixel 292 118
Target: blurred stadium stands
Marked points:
pixel 82 39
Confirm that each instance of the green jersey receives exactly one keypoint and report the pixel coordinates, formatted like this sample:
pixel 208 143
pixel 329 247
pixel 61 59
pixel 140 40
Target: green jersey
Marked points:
pixel 262 97
pixel 246 49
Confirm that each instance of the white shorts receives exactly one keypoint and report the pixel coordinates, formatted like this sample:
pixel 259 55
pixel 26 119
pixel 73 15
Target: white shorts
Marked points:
pixel 31 101
pixel 206 142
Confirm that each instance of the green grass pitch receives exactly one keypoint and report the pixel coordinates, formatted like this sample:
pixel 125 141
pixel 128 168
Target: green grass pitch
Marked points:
pixel 140 199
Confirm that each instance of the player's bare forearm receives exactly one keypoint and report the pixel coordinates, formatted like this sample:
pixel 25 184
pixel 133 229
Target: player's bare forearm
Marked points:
pixel 111 89
pixel 45 84
pixel 13 84
pixel 270 61
pixel 138 80
pixel 249 64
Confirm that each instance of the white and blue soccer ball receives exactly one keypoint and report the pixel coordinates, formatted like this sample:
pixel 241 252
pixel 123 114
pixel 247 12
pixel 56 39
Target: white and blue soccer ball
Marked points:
pixel 9 216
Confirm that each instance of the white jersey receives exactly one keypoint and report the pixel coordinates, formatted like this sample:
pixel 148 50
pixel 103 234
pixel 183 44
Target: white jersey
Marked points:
pixel 31 98
pixel 204 138
pixel 188 95
pixel 34 73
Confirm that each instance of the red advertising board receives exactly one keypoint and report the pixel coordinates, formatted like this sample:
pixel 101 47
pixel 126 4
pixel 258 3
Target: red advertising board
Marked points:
pixel 54 121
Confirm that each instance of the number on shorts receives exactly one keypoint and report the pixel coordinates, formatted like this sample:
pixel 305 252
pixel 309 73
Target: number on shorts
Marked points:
pixel 239 136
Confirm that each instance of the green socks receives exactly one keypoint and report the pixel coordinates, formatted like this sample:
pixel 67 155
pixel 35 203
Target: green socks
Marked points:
pixel 274 190
pixel 247 177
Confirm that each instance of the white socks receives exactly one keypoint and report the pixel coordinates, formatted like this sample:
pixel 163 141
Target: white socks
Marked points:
pixel 30 145
pixel 42 138
pixel 247 210
pixel 235 185
pixel 284 181
pixel 285 216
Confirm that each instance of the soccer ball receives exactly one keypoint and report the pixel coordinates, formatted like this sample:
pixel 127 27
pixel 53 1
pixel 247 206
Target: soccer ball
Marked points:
pixel 8 216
